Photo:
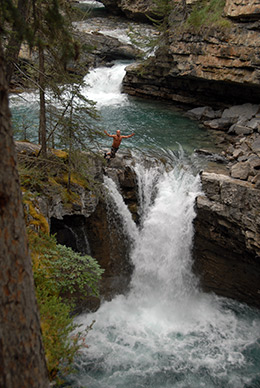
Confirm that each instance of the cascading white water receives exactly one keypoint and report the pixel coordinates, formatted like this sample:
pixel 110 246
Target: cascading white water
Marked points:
pixel 104 85
pixel 120 207
pixel 162 255
pixel 165 333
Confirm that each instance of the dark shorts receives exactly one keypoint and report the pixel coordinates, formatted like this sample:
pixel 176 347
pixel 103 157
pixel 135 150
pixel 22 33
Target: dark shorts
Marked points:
pixel 113 152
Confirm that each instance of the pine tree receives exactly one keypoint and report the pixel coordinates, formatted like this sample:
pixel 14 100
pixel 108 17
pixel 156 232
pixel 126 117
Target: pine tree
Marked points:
pixel 22 361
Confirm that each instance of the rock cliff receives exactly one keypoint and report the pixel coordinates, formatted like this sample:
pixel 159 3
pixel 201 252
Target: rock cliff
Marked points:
pixel 227 238
pixel 86 222
pixel 243 9
pixel 210 66
pixel 227 225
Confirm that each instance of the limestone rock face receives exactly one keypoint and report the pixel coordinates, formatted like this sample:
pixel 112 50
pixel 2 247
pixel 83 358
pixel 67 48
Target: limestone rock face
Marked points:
pixel 227 238
pixel 209 67
pixel 243 9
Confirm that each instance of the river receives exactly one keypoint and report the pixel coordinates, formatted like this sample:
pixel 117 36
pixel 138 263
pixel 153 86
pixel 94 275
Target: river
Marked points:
pixel 165 332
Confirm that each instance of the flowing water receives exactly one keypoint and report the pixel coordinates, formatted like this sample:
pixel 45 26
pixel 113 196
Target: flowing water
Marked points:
pixel 157 125
pixel 165 332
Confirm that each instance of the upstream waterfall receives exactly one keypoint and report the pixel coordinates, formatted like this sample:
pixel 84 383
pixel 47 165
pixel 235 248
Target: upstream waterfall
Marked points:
pixel 165 332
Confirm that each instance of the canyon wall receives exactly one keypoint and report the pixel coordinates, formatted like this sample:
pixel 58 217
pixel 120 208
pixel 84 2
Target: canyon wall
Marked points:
pixel 227 238
pixel 227 225
pixel 206 66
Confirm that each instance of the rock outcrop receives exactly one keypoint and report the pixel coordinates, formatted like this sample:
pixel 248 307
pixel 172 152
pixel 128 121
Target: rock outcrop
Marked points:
pixel 136 9
pixel 227 225
pixel 210 67
pixel 227 238
pixel 96 50
pixel 87 223
pixel 215 66
pixel 243 9
pixel 102 50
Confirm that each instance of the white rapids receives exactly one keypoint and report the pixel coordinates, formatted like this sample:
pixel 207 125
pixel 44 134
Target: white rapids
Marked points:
pixel 165 332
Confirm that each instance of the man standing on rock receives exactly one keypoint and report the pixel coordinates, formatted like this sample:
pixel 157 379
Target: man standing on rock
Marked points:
pixel 116 143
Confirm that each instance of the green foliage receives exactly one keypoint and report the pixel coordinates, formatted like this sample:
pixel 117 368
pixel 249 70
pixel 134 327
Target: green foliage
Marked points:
pixel 161 11
pixel 49 31
pixel 67 271
pixel 59 273
pixel 207 13
pixel 57 327
pixel 50 176
pixel 9 14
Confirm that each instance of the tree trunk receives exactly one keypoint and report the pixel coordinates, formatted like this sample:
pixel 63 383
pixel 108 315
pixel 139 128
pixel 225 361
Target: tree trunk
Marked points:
pixel 42 127
pixel 22 361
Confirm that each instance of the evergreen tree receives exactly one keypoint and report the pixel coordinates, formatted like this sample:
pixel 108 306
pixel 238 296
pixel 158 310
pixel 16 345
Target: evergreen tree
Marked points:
pixel 47 27
pixel 13 19
pixel 21 350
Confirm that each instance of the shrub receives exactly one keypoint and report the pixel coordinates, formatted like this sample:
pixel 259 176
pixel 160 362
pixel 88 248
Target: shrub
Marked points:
pixel 58 269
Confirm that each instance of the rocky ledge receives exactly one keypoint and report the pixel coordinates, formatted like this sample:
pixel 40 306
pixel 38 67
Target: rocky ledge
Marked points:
pixel 227 225
pixel 217 66
pixel 84 219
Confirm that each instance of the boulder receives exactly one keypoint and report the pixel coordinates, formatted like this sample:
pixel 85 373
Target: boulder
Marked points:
pixel 254 123
pixel 246 111
pixel 201 113
pixel 256 145
pixel 222 124
pixel 240 170
pixel 240 130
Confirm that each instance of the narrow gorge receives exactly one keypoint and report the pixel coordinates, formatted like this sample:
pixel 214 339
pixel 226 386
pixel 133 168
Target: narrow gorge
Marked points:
pixel 174 219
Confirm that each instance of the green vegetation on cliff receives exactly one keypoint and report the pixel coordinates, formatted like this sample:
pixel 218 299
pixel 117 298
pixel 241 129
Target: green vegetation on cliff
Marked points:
pixel 204 13
pixel 207 13
pixel 61 275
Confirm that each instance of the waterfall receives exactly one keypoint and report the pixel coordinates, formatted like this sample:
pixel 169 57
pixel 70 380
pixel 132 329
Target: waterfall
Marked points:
pixel 119 206
pixel 162 254
pixel 104 85
pixel 165 332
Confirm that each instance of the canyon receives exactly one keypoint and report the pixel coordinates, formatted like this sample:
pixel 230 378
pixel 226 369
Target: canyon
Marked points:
pixel 213 74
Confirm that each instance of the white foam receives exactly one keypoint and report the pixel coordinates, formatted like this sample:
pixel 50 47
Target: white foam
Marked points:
pixel 104 86
pixel 165 326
